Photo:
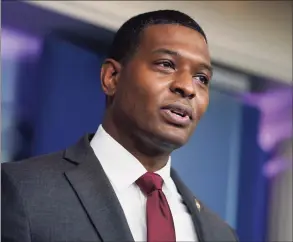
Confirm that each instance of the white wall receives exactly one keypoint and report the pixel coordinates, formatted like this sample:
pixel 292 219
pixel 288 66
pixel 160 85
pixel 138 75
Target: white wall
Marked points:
pixel 255 36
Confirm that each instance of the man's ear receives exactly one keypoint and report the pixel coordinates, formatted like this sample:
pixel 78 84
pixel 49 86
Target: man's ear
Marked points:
pixel 109 76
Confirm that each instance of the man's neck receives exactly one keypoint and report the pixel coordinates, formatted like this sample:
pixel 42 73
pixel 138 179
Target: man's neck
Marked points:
pixel 152 158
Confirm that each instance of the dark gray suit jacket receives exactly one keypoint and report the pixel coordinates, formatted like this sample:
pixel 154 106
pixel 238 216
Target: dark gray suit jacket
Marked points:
pixel 66 196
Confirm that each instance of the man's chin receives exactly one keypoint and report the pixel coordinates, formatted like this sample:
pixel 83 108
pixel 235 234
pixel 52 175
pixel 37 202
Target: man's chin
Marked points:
pixel 161 140
pixel 172 139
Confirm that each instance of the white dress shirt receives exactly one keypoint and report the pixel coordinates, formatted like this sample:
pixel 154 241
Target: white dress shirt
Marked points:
pixel 123 169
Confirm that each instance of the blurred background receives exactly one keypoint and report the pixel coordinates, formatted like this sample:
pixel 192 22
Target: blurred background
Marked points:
pixel 239 161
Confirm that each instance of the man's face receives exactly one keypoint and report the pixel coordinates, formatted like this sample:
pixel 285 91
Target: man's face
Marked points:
pixel 163 90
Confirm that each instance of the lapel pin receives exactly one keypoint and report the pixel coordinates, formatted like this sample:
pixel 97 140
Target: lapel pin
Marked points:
pixel 197 204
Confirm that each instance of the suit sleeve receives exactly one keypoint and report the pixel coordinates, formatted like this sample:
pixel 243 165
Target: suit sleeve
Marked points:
pixel 14 221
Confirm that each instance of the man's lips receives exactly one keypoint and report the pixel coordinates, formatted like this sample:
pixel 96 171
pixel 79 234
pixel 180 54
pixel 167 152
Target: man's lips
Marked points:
pixel 177 114
pixel 180 109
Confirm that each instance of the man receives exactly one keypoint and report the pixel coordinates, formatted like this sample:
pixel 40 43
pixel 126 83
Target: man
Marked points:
pixel 118 185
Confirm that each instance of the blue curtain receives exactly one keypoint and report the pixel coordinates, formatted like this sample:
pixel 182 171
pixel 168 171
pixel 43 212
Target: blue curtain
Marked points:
pixel 252 207
pixel 71 100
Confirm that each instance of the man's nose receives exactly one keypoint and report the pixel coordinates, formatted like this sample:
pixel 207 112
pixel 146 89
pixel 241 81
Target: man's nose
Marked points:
pixel 183 85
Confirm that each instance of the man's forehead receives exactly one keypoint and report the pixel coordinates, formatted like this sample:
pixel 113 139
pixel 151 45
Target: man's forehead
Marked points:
pixel 172 30
pixel 174 37
pixel 170 34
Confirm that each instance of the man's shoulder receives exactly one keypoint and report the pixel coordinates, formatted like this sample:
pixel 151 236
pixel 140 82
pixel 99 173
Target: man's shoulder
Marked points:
pixel 214 222
pixel 204 210
pixel 35 166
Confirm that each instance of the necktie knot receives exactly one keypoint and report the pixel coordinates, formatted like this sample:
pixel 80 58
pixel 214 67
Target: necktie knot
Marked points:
pixel 149 182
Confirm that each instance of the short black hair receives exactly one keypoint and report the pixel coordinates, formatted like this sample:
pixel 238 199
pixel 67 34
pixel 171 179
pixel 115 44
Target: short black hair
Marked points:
pixel 127 37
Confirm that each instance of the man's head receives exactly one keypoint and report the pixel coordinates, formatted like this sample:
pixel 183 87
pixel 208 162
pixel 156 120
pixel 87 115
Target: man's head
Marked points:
pixel 156 78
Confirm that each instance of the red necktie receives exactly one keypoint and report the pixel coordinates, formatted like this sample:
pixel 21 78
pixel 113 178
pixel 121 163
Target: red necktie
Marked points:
pixel 160 226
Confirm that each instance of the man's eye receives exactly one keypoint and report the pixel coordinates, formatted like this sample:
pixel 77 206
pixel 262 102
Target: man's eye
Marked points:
pixel 202 78
pixel 166 64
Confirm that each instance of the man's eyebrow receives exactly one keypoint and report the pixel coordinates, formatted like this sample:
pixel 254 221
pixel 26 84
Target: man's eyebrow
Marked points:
pixel 208 67
pixel 175 53
pixel 165 51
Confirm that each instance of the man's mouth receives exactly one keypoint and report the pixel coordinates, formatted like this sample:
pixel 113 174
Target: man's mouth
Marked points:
pixel 180 109
pixel 177 114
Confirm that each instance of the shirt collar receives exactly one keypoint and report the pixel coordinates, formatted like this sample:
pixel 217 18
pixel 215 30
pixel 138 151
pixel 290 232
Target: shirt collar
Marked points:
pixel 121 167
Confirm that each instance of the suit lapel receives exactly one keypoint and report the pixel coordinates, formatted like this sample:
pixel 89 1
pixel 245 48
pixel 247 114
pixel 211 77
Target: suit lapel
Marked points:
pixel 191 203
pixel 96 193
